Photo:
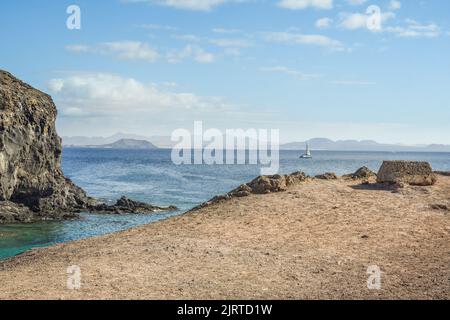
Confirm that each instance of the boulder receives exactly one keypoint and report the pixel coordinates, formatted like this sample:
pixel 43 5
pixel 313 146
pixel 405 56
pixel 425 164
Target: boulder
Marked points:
pixel 295 178
pixel 363 173
pixel 327 176
pixel 268 184
pixel 11 212
pixel 406 172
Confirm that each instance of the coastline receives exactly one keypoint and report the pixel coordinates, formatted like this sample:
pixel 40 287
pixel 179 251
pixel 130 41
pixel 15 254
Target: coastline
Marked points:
pixel 313 241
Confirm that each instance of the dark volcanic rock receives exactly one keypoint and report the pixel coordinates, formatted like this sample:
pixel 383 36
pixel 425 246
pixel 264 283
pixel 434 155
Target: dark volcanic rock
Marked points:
pixel 406 172
pixel 127 206
pixel 11 212
pixel 30 153
pixel 32 184
pixel 327 176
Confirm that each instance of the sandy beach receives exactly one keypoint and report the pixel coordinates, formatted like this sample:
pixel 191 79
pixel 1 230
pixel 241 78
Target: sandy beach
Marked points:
pixel 313 241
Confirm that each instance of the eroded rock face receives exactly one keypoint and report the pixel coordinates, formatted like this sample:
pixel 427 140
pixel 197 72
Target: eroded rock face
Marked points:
pixel 30 152
pixel 32 184
pixel 406 172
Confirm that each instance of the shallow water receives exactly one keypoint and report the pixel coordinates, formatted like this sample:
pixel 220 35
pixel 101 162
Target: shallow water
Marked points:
pixel 149 175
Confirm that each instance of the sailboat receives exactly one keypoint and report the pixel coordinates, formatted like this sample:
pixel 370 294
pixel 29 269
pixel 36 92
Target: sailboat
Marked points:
pixel 307 154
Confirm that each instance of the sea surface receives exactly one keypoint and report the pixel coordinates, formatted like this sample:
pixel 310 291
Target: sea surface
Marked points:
pixel 150 176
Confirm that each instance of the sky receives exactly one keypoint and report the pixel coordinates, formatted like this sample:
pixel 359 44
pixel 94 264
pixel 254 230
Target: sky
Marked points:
pixel 310 68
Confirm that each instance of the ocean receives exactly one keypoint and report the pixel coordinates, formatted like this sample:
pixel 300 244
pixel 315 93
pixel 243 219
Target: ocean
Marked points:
pixel 150 176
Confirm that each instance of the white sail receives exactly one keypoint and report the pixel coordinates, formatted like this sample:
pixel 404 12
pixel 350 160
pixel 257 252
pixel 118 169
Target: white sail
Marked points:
pixel 307 154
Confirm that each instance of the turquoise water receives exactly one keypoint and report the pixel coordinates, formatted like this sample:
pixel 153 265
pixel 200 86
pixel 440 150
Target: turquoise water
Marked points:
pixel 149 175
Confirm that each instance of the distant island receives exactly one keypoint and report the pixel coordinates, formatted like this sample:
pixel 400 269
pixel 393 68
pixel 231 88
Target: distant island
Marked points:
pixel 315 144
pixel 363 145
pixel 123 144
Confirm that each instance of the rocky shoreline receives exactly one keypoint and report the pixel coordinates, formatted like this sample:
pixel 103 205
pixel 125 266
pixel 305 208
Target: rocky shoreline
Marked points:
pixel 392 175
pixel 282 244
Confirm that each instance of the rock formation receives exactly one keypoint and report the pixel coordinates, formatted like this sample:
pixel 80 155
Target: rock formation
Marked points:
pixel 327 176
pixel 125 205
pixel 406 172
pixel 30 153
pixel 32 184
pixel 362 173
pixel 260 185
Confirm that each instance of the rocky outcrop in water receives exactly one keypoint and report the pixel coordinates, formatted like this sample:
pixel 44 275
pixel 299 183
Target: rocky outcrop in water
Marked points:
pixel 32 184
pixel 416 173
pixel 125 206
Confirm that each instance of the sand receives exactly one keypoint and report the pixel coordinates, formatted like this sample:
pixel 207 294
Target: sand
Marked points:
pixel 314 241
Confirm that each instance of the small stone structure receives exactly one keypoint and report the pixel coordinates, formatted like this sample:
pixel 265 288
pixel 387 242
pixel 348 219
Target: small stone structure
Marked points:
pixel 414 173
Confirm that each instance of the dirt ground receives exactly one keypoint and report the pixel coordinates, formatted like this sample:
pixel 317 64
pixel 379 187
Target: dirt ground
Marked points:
pixel 314 241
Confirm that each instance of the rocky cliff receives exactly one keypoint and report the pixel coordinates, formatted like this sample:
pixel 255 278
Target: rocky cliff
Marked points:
pixel 32 184
pixel 30 155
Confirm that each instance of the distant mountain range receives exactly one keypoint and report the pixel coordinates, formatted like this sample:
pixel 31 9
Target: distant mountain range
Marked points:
pixel 122 140
pixel 363 145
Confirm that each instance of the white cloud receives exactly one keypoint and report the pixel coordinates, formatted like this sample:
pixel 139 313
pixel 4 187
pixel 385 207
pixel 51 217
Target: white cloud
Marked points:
pixel 190 51
pixel 196 5
pixel 91 94
pixel 231 43
pixel 411 29
pixel 324 23
pixel 395 5
pixel 78 48
pixel 131 50
pixel 303 4
pixel 135 50
pixel 123 50
pixel 187 37
pixel 414 29
pixel 291 72
pixel 353 21
pixel 55 85
pixel 304 39
pixel 156 27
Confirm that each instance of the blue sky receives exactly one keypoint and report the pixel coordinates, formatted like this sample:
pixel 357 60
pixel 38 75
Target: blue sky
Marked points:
pixel 307 67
